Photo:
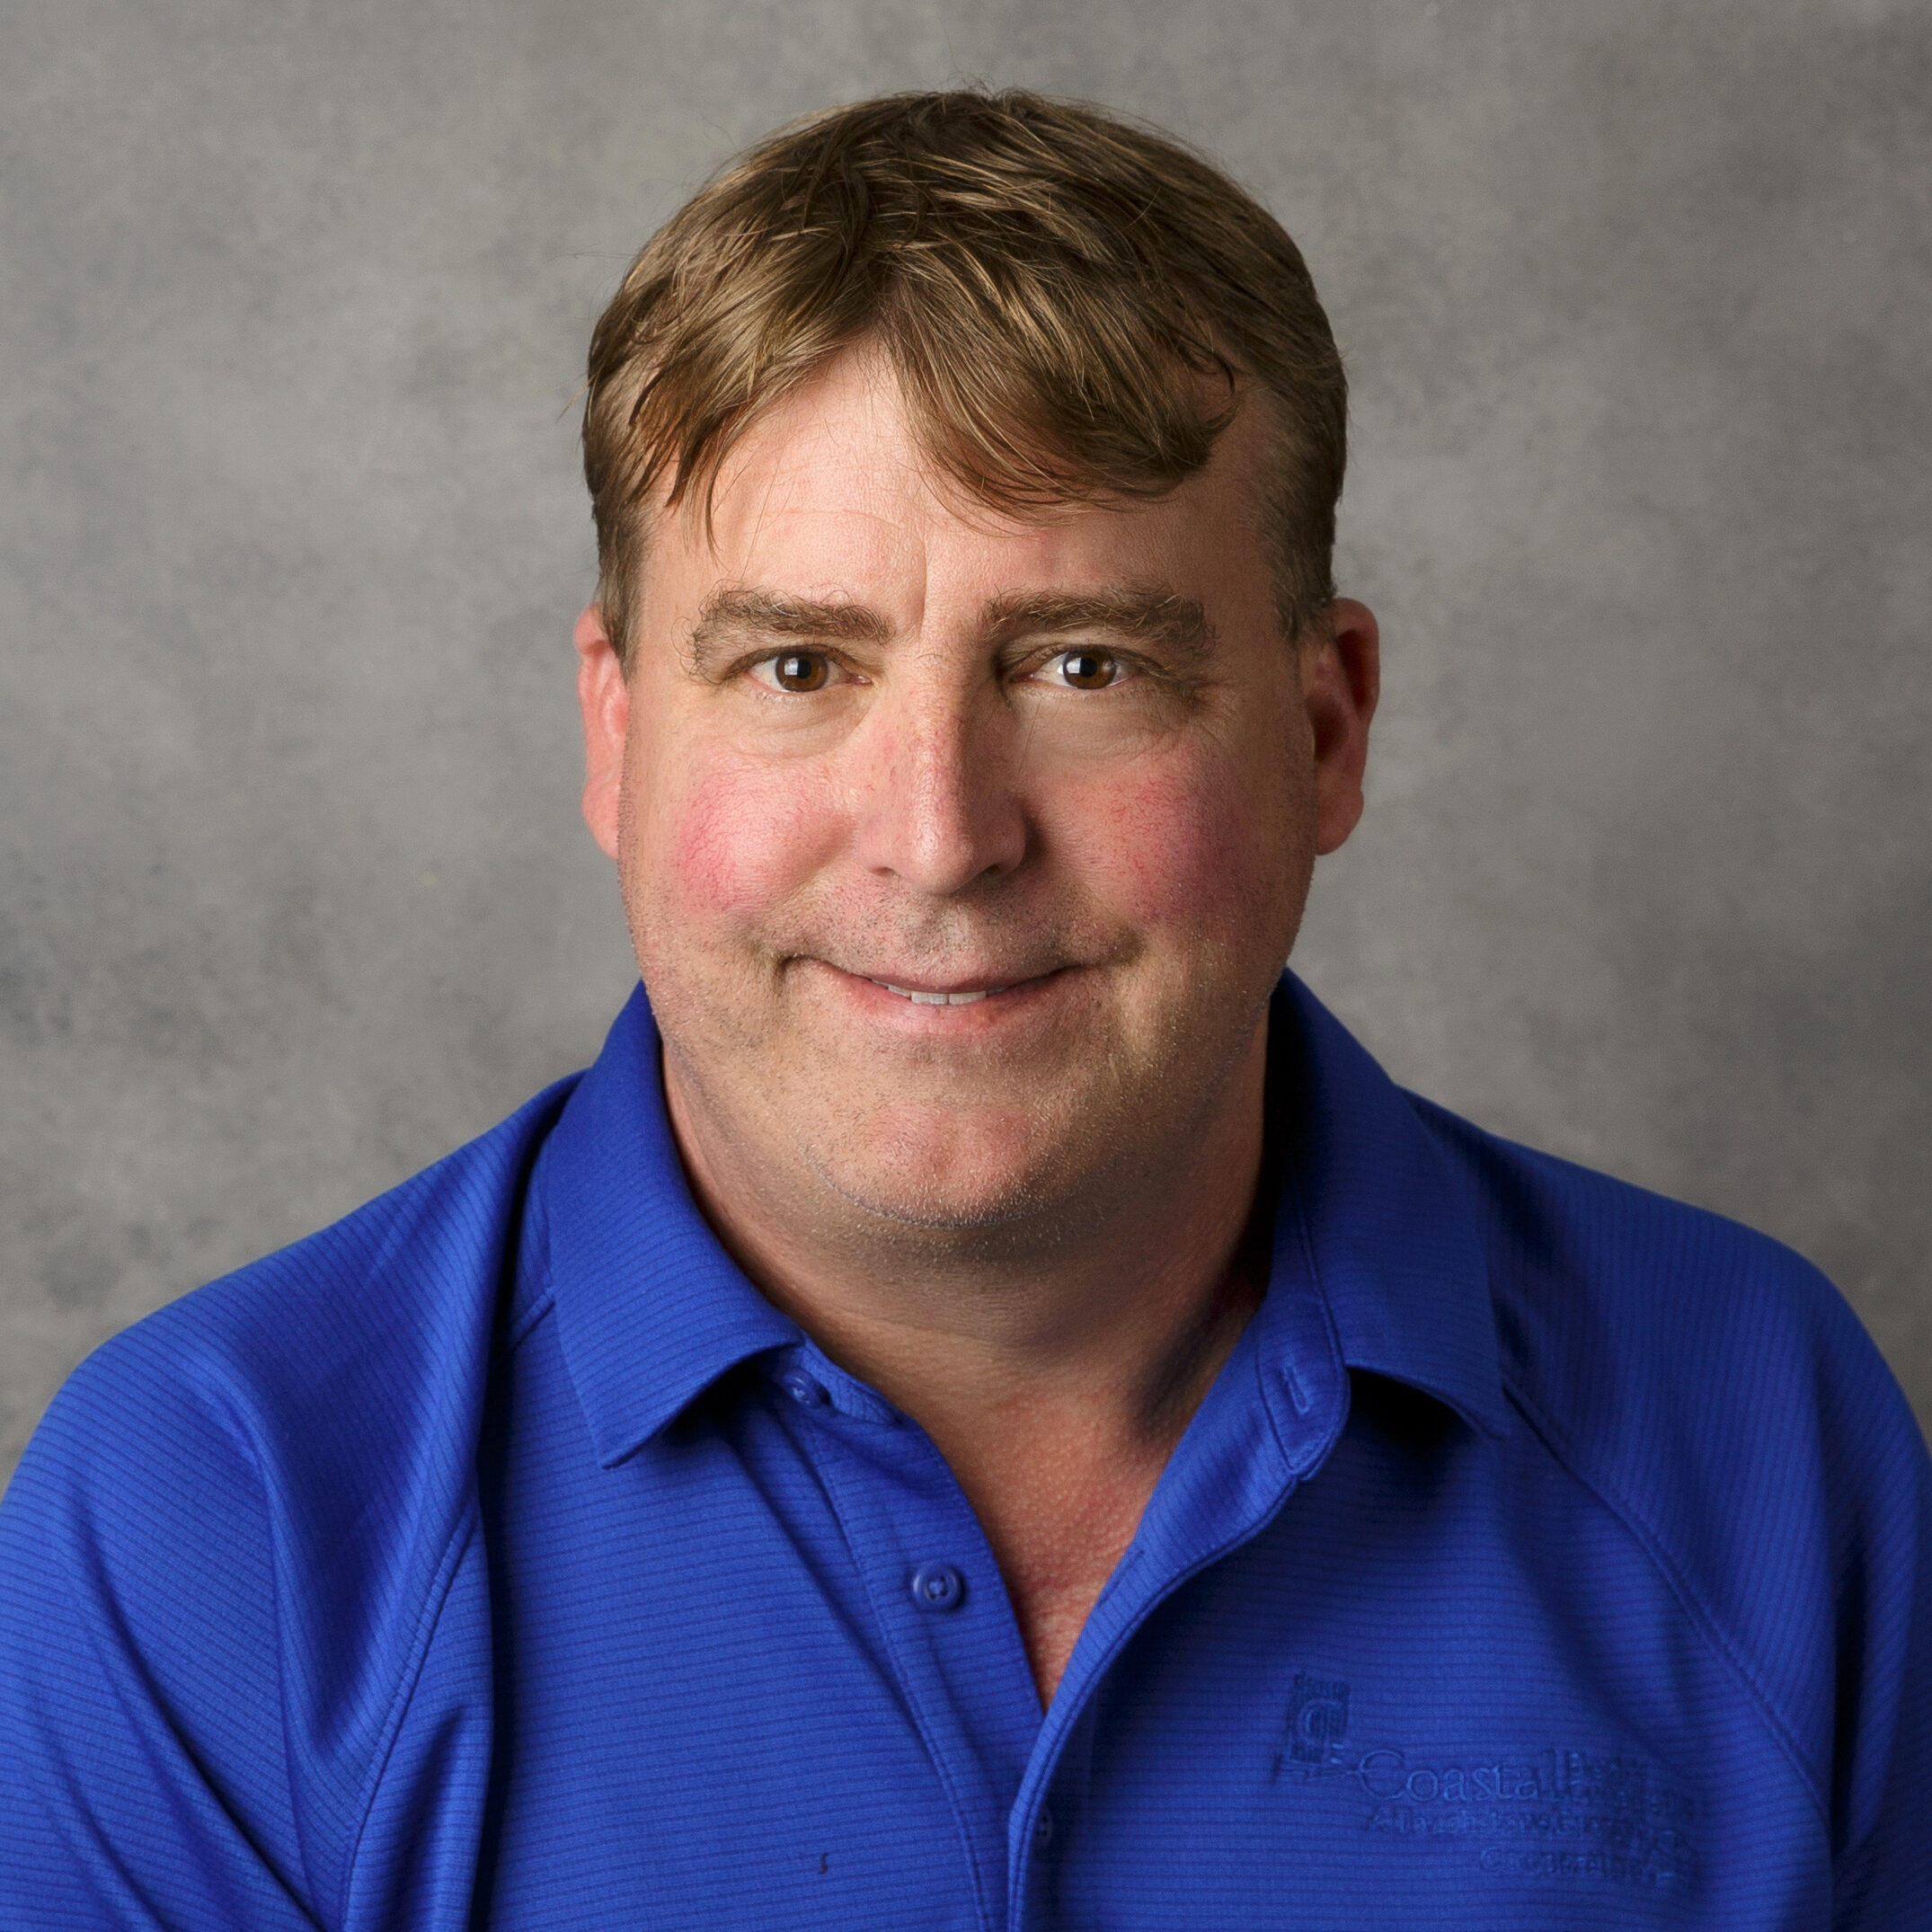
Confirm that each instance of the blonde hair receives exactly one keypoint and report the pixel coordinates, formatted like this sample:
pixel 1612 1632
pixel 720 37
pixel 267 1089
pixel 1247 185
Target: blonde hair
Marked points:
pixel 1070 304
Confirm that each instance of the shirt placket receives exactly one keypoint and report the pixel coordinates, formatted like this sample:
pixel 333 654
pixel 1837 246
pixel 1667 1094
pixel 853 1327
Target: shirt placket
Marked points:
pixel 938 1600
pixel 1273 1414
pixel 1016 1780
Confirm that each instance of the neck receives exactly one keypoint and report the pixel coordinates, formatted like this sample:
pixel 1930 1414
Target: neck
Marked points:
pixel 1111 1285
pixel 1054 1365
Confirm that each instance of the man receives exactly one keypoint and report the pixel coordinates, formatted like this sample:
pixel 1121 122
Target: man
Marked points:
pixel 984 1407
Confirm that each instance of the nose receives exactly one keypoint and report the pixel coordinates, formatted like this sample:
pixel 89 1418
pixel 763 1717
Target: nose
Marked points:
pixel 938 802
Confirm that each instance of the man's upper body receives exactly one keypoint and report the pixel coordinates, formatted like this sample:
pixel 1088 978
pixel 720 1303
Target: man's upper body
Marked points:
pixel 1545 1554
pixel 984 1407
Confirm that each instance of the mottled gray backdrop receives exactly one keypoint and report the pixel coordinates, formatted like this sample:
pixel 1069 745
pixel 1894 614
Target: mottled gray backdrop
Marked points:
pixel 293 298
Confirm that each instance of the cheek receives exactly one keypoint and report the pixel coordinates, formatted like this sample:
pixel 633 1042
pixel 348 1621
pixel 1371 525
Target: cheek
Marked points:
pixel 1181 846
pixel 716 844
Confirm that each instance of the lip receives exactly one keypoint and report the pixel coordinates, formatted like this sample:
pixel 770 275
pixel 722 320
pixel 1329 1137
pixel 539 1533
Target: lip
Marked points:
pixel 963 997
pixel 979 996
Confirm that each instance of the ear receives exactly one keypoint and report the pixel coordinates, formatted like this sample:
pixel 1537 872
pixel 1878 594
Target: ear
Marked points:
pixel 604 698
pixel 1341 679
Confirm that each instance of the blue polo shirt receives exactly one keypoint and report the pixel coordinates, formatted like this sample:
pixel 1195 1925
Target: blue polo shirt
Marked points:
pixel 1545 1556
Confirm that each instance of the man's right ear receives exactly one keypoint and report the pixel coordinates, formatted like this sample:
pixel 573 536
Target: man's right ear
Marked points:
pixel 604 698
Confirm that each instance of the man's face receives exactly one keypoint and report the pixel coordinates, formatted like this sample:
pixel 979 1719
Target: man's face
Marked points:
pixel 960 850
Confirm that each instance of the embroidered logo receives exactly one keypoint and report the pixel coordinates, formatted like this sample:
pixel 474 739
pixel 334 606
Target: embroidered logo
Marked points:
pixel 1558 1811
pixel 1317 1720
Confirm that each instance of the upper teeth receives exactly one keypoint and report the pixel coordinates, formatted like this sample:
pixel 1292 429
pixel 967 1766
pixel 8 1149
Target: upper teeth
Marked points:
pixel 937 999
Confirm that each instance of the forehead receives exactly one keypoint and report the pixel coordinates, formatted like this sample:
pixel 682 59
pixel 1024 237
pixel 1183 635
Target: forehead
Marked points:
pixel 829 495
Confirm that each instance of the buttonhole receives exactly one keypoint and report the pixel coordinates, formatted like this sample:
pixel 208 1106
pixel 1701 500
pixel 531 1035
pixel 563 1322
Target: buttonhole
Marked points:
pixel 1298 1390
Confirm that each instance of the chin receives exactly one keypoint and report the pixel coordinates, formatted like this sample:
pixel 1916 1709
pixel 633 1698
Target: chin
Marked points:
pixel 945 1179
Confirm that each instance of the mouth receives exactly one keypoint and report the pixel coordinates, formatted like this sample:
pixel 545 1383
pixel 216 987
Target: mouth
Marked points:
pixel 920 996
pixel 1001 990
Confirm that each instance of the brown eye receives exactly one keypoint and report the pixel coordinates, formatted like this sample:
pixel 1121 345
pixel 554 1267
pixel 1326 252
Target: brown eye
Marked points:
pixel 1087 671
pixel 800 670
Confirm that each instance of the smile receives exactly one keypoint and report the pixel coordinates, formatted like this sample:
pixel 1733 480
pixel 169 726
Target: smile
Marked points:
pixel 938 999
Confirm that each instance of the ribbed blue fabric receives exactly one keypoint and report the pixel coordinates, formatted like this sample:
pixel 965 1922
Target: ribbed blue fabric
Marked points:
pixel 1546 1555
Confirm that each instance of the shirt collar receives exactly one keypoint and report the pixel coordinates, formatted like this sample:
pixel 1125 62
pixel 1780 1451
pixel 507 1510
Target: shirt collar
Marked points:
pixel 1392 1239
pixel 651 1311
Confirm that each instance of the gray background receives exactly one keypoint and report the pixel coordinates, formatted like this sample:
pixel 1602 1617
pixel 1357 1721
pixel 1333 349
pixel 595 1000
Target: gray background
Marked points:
pixel 293 300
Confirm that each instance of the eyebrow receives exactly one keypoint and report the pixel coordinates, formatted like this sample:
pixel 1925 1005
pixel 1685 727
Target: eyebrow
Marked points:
pixel 737 615
pixel 1177 624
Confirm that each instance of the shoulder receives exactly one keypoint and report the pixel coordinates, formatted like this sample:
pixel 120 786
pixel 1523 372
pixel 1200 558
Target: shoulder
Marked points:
pixel 1721 1397
pixel 316 1357
pixel 225 1541
pixel 1642 1325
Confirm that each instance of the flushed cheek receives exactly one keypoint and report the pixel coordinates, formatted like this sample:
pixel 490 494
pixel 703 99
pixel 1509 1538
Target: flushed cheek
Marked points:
pixel 730 849
pixel 1180 849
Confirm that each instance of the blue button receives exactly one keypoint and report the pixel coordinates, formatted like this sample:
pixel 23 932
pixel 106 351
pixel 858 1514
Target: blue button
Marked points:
pixel 937 1586
pixel 801 1388
pixel 1043 1830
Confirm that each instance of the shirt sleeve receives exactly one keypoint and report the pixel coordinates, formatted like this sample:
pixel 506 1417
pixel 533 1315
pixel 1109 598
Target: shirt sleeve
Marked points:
pixel 143 1780
pixel 1883 1774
